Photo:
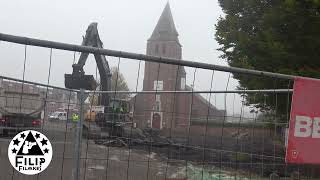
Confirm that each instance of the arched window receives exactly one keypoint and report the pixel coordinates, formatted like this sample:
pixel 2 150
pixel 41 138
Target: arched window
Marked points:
pixel 158 103
pixel 157 49
pixel 183 83
pixel 158 106
pixel 164 49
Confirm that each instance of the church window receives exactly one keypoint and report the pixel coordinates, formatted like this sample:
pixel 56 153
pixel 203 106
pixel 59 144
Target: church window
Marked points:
pixel 158 85
pixel 158 97
pixel 164 49
pixel 157 49
pixel 158 106
pixel 183 83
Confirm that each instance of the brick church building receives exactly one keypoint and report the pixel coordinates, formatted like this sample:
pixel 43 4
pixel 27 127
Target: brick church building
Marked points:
pixel 166 110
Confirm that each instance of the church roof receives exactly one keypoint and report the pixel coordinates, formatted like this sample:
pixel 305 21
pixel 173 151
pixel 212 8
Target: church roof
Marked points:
pixel 165 29
pixel 202 99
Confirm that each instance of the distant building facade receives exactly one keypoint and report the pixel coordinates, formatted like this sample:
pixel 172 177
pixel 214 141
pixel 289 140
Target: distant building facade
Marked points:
pixel 56 99
pixel 168 110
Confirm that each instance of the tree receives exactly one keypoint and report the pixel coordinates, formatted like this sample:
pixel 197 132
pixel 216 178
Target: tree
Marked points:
pixel 270 35
pixel 118 83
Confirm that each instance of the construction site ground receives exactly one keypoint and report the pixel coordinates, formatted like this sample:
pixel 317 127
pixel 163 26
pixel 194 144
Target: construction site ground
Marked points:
pixel 106 162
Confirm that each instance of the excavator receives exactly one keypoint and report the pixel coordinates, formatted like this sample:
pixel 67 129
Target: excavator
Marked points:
pixel 112 124
pixel 115 111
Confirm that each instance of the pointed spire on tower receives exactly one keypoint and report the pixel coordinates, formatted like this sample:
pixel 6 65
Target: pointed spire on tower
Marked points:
pixel 165 28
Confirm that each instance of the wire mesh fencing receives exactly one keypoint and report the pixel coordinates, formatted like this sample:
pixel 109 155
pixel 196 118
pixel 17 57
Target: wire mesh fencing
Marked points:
pixel 177 120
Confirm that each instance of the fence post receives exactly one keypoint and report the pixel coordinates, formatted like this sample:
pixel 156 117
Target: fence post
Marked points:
pixel 78 137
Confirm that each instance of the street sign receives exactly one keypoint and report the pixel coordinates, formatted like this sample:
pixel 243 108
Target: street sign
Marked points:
pixel 303 144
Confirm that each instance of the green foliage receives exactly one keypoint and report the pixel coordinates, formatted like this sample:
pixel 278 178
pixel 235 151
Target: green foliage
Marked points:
pixel 270 35
pixel 119 83
pixel 93 99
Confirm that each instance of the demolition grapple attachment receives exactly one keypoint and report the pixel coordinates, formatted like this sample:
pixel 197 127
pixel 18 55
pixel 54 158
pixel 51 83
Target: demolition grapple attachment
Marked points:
pixel 78 80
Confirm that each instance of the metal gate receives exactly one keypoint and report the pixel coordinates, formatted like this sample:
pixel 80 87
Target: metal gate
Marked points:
pixel 204 129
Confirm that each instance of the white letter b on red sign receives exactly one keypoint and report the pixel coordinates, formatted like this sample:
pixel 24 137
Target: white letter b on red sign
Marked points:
pixel 303 126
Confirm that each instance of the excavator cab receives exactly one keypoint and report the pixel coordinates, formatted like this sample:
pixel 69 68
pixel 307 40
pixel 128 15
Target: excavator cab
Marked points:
pixel 118 110
pixel 119 105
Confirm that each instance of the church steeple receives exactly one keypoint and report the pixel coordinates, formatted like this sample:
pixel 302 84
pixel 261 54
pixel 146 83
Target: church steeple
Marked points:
pixel 163 42
pixel 165 29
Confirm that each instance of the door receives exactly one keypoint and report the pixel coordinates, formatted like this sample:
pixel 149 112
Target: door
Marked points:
pixel 156 121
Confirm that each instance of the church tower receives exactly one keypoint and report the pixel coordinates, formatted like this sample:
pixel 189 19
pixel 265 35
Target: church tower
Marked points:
pixel 169 111
pixel 163 42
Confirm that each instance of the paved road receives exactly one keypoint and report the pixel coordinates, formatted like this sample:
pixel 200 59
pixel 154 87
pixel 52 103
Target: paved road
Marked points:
pixel 97 161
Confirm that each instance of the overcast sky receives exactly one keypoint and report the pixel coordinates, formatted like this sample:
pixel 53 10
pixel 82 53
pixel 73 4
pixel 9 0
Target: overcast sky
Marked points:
pixel 123 25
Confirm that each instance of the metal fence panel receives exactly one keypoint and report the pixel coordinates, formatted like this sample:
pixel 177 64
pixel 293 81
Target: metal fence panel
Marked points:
pixel 187 131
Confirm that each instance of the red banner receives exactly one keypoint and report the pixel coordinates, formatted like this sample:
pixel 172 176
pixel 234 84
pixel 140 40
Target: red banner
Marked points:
pixel 303 146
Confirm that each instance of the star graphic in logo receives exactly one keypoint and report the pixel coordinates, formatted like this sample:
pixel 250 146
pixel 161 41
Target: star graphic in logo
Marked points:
pixel 43 142
pixel 32 146
pixel 37 135
pixel 16 142
pixel 22 135
pixel 14 150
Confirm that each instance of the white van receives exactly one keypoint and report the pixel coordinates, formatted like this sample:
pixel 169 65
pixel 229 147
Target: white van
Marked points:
pixel 58 116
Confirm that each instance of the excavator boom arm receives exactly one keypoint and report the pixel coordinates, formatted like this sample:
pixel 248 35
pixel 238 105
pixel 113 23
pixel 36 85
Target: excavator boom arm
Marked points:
pixel 78 79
